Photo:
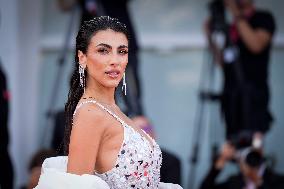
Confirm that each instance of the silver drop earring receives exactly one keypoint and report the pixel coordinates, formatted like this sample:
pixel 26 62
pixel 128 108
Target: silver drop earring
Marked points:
pixel 82 77
pixel 124 84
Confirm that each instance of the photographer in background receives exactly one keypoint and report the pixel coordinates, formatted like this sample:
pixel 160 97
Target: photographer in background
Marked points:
pixel 254 174
pixel 245 59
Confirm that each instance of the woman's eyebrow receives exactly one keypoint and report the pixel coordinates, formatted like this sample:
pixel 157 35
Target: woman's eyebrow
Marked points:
pixel 104 45
pixel 109 47
pixel 122 46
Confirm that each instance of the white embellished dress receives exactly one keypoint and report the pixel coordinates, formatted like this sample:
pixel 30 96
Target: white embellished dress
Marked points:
pixel 137 166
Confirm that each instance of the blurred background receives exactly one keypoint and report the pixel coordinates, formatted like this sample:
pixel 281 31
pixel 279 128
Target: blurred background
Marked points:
pixel 173 48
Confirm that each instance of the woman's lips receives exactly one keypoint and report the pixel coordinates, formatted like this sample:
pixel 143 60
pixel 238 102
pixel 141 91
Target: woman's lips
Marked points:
pixel 113 73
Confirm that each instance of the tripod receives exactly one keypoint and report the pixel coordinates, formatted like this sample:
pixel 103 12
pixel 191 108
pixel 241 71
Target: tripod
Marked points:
pixel 205 95
pixel 51 112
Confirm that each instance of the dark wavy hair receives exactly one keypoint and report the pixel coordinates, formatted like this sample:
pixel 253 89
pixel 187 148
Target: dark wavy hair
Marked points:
pixel 85 33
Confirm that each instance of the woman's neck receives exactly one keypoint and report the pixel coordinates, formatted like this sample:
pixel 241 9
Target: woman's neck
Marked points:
pixel 103 95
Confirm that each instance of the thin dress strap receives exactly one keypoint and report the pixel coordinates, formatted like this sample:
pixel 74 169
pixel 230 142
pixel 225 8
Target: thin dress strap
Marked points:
pixel 101 106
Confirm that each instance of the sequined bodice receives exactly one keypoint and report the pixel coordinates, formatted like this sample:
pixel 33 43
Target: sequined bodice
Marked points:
pixel 139 160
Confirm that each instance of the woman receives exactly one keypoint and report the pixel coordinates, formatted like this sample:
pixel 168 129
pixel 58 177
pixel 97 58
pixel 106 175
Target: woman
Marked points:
pixel 105 149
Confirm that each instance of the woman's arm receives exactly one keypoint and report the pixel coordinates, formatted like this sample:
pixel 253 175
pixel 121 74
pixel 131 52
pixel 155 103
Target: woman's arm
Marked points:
pixel 87 132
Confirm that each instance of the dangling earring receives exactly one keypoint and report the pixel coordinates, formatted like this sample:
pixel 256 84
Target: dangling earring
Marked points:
pixel 124 84
pixel 82 77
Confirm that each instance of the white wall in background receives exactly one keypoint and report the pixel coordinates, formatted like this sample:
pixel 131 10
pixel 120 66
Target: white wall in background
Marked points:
pixel 19 48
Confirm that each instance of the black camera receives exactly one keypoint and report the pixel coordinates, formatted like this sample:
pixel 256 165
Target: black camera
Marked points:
pixel 241 140
pixel 252 157
pixel 217 15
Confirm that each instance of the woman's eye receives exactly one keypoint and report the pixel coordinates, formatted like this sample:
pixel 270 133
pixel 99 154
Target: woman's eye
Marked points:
pixel 103 51
pixel 123 51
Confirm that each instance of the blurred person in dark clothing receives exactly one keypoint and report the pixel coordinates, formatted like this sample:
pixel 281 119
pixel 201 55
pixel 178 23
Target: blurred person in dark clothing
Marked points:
pixel 6 168
pixel 245 62
pixel 116 9
pixel 254 173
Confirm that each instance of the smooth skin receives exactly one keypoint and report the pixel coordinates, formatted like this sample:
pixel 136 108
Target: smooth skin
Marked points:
pixel 96 136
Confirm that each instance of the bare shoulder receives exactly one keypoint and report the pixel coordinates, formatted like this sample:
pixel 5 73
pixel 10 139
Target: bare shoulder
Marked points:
pixel 88 129
pixel 89 124
pixel 89 115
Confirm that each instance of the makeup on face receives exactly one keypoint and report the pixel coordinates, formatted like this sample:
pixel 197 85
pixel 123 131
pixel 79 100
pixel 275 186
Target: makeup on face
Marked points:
pixel 107 57
pixel 106 49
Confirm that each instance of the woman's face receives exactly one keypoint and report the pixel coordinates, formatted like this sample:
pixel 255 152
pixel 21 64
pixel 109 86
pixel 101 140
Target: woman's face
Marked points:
pixel 106 58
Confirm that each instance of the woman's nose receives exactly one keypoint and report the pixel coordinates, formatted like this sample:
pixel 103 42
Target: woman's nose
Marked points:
pixel 115 60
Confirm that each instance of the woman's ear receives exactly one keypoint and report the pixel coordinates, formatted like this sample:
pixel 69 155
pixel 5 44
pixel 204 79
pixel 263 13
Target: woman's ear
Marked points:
pixel 82 59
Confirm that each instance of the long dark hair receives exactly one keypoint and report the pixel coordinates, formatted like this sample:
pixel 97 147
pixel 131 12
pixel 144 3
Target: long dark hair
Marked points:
pixel 85 33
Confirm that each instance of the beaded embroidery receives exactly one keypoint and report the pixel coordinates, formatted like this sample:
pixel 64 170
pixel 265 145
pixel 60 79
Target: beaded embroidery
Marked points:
pixel 138 163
